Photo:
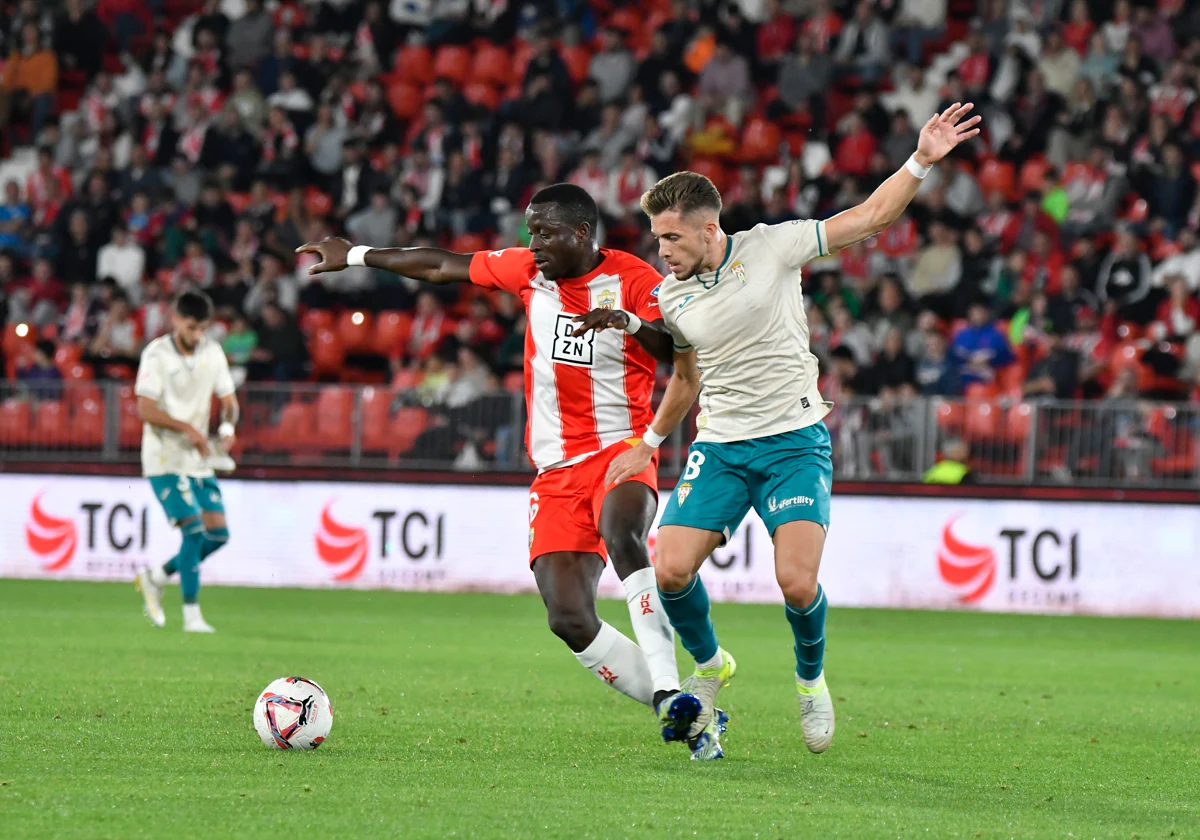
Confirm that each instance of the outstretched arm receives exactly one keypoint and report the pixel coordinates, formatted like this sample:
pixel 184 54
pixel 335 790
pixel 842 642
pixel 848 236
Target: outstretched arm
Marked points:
pixel 938 138
pixel 432 265
pixel 652 335
pixel 677 401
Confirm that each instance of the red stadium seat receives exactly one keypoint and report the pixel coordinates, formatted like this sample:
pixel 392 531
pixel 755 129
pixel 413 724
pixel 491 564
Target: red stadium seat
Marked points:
pixel 78 393
pixel 407 426
pixel 293 432
pixel 982 420
pixel 714 170
pixel 356 331
pixel 760 141
pixel 469 243
pixel 514 381
pixel 317 203
pixel 376 414
pixel 950 417
pixel 316 319
pixel 414 65
pixel 492 66
pixel 66 356
pixel 406 379
pixel 997 176
pixel 1033 175
pixel 50 425
pixel 392 330
pixel 482 94
pixel 405 100
pixel 981 391
pixel 1010 380
pixel 1018 422
pixel 578 61
pixel 328 355
pixel 17 337
pixel 129 428
pixel 86 429
pixel 16 423
pixel 78 371
pixel 453 63
pixel 334 417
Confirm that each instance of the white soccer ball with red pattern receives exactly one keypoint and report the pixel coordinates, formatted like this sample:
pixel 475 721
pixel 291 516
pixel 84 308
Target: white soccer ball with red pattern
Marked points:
pixel 293 713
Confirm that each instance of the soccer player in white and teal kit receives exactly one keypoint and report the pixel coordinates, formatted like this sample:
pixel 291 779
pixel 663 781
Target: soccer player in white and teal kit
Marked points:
pixel 734 307
pixel 178 376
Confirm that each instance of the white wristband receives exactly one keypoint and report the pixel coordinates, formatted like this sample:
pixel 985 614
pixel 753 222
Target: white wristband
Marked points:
pixel 635 323
pixel 652 438
pixel 225 430
pixel 357 255
pixel 915 169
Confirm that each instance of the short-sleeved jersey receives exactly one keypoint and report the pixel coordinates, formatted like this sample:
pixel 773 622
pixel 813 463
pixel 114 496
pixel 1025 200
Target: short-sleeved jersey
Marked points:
pixel 747 324
pixel 183 386
pixel 582 394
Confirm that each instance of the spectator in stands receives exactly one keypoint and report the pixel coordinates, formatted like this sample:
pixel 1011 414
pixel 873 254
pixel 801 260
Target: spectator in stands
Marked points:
pixel 612 68
pixel 280 354
pixel 323 144
pixel 917 23
pixel 239 345
pixel 952 466
pixel 40 376
pixel 622 194
pixel 155 312
pixel 1173 192
pixel 936 375
pixel 30 78
pixel 804 76
pixel 724 84
pixel 429 327
pixel 124 261
pixel 118 340
pixel 863 46
pixel 937 271
pixel 1056 374
pixel 980 349
pixel 848 333
pixel 79 38
pixel 1178 316
pixel 1186 262
pixel 271 288
pixel 894 368
pixel 249 38
pixel 1124 279
pixel 1059 65
pixel 79 321
pixel 376 223
pixel 353 185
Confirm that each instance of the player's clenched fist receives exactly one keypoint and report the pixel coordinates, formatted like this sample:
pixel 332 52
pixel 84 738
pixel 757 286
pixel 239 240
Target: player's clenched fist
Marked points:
pixel 333 251
pixel 601 320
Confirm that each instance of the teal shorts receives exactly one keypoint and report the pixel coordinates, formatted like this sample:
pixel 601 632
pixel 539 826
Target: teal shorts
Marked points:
pixel 784 477
pixel 183 497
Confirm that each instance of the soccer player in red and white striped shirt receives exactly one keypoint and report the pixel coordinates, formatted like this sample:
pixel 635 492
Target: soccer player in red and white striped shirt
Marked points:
pixel 588 399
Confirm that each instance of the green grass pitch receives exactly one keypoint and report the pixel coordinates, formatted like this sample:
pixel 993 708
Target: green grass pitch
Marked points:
pixel 461 716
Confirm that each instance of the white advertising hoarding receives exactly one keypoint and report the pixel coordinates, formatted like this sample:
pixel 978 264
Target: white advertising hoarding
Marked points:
pixel 884 551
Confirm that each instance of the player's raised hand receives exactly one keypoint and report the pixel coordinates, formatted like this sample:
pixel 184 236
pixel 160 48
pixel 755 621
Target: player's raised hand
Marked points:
pixel 599 320
pixel 332 250
pixel 199 440
pixel 944 131
pixel 628 464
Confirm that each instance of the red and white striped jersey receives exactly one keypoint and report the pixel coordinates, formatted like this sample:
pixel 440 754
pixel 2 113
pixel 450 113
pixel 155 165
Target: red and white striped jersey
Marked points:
pixel 582 394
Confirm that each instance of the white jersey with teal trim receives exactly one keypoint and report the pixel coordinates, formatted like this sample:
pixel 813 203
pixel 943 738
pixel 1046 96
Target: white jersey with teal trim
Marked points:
pixel 747 324
pixel 183 386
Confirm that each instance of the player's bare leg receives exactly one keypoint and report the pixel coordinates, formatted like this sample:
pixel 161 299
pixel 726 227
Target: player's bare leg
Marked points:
pixel 798 547
pixel 680 552
pixel 625 520
pixel 567 582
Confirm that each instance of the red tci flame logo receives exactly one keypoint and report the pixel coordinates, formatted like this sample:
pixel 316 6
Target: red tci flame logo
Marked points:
pixel 341 546
pixel 53 540
pixel 969 569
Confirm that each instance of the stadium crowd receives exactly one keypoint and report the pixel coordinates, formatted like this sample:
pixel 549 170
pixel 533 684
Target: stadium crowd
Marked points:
pixel 157 145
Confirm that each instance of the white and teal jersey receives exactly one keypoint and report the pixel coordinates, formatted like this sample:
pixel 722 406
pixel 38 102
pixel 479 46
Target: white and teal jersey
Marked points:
pixel 746 322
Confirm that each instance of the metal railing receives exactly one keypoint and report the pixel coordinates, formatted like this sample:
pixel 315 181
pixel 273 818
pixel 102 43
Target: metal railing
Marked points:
pixel 1045 442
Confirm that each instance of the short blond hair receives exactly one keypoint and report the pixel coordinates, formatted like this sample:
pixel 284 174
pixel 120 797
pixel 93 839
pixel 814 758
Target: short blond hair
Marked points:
pixel 685 192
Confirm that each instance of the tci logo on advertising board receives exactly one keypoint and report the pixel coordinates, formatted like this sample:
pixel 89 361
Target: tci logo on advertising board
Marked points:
pixel 396 545
pixel 1034 567
pixel 114 535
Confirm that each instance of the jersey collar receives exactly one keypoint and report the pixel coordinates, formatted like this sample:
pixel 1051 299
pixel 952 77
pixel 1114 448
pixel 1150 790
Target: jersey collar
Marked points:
pixel 716 277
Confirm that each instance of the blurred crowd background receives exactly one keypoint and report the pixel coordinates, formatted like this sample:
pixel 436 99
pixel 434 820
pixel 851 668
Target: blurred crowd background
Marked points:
pixel 157 145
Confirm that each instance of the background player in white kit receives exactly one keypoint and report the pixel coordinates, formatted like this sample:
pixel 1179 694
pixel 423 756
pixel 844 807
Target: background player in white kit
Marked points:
pixel 177 378
pixel 735 309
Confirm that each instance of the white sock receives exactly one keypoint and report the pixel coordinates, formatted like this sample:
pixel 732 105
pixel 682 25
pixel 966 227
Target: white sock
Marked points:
pixel 811 683
pixel 616 660
pixel 652 629
pixel 191 612
pixel 157 576
pixel 716 662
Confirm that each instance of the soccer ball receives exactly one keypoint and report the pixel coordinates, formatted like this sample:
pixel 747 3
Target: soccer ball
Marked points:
pixel 293 713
